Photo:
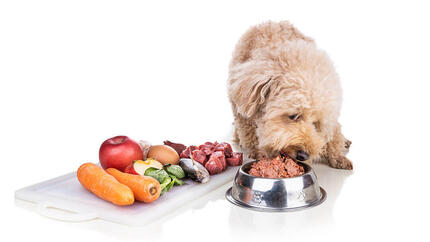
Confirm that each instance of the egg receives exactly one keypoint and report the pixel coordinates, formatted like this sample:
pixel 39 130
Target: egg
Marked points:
pixel 164 154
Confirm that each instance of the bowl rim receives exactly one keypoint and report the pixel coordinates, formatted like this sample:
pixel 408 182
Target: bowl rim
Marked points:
pixel 308 170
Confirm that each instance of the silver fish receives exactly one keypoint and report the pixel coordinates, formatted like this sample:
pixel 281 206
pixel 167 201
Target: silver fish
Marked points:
pixel 194 170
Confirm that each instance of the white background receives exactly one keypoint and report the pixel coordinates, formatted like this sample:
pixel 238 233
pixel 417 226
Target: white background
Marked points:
pixel 74 73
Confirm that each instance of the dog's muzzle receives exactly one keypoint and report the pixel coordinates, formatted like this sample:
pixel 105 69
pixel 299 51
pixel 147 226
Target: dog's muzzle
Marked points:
pixel 301 155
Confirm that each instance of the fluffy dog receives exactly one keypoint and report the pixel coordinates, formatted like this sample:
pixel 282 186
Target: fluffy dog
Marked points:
pixel 286 97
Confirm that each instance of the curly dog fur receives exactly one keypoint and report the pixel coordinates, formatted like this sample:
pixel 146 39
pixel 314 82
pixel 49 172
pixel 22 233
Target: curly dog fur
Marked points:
pixel 286 97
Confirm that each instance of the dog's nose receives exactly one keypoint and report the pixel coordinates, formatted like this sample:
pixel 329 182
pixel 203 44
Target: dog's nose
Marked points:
pixel 301 155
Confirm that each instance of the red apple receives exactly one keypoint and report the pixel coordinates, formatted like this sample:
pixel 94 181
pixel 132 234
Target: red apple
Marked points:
pixel 138 167
pixel 130 169
pixel 119 152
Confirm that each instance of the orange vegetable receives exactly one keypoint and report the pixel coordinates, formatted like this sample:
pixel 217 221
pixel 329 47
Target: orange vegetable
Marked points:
pixel 145 188
pixel 105 186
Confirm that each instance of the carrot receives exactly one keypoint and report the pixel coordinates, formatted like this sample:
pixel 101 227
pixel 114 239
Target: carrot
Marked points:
pixel 145 188
pixel 105 186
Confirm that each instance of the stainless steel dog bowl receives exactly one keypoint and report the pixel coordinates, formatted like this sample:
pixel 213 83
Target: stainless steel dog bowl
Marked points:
pixel 275 195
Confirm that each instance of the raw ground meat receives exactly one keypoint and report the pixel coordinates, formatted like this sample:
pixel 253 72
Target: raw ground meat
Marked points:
pixel 235 160
pixel 293 168
pixel 279 167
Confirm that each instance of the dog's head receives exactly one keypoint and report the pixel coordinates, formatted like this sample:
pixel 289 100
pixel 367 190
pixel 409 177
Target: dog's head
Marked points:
pixel 293 98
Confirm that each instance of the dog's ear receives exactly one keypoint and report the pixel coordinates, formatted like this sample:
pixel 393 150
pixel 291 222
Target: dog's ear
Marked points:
pixel 249 88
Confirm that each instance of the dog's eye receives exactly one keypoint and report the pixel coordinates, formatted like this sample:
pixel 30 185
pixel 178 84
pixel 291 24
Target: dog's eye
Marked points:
pixel 294 116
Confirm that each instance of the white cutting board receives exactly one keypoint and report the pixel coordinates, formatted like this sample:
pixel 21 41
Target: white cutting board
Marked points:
pixel 65 199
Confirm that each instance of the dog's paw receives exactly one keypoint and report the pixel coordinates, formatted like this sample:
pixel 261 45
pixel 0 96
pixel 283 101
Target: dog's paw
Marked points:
pixel 257 155
pixel 340 162
pixel 253 155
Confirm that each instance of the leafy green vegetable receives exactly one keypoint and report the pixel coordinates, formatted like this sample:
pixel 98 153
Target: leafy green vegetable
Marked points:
pixel 166 178
pixel 170 185
pixel 159 174
pixel 178 181
pixel 150 169
pixel 165 184
pixel 175 170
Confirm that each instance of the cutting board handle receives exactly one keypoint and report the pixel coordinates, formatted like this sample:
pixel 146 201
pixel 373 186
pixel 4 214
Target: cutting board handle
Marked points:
pixel 53 212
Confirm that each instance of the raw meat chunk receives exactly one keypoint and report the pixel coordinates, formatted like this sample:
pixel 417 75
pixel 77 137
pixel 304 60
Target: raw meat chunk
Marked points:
pixel 235 160
pixel 199 156
pixel 216 163
pixel 221 157
pixel 207 148
pixel 213 167
pixel 224 147
pixel 187 152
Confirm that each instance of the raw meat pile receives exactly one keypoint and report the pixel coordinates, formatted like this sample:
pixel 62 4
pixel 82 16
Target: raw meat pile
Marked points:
pixel 279 167
pixel 215 157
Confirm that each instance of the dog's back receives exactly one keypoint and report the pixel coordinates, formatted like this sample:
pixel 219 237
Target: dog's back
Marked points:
pixel 265 35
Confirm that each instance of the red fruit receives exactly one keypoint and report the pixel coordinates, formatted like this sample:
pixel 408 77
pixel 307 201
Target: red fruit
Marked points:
pixel 138 167
pixel 130 169
pixel 119 152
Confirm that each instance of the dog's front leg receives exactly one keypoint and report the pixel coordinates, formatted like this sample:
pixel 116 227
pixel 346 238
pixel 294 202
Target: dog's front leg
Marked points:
pixel 245 136
pixel 336 149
